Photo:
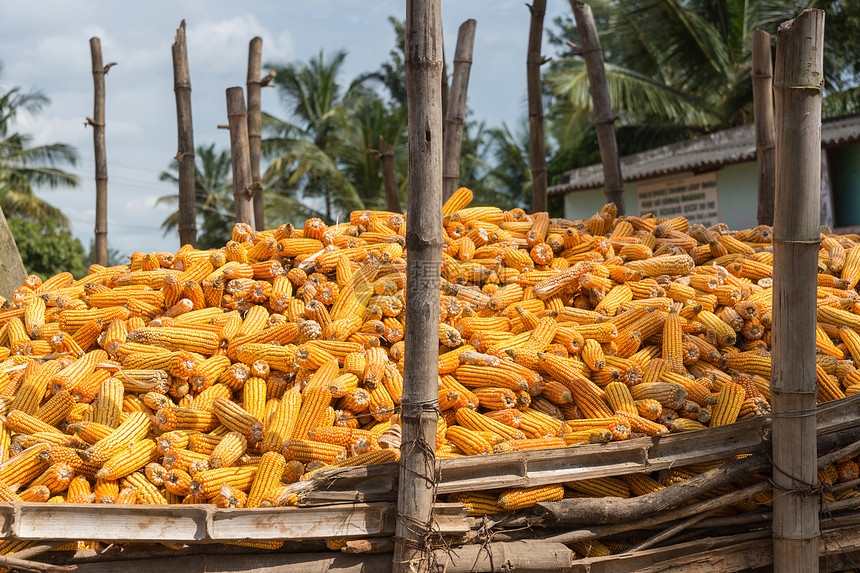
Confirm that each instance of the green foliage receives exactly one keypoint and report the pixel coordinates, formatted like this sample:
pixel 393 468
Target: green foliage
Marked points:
pixel 47 249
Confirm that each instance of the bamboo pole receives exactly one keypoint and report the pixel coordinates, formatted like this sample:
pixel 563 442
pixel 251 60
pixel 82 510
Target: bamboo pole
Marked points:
pixel 444 85
pixel 456 114
pixel 798 76
pixel 762 84
pixel 98 124
pixel 419 406
pixel 534 60
pixel 185 146
pixel 604 119
pixel 237 117
pixel 385 154
pixel 254 87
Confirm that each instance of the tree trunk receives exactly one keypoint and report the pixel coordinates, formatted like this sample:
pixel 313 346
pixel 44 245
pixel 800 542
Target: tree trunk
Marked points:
pixel 389 178
pixel 798 76
pixel 536 139
pixel 419 406
pixel 456 114
pixel 98 124
pixel 604 119
pixel 762 83
pixel 254 86
pixel 185 149
pixel 12 273
pixel 238 120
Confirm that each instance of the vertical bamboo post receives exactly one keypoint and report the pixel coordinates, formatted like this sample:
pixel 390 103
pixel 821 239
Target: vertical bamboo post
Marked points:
pixel 237 118
pixel 444 87
pixel 419 406
pixel 98 124
pixel 798 77
pixel 456 114
pixel 765 134
pixel 604 119
pixel 389 179
pixel 254 87
pixel 185 146
pixel 534 60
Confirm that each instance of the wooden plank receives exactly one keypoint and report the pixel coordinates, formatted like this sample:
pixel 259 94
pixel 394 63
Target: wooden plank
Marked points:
pixel 206 524
pixel 303 523
pixel 73 521
pixel 297 523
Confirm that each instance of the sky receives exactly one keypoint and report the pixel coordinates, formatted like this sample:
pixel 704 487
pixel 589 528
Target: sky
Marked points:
pixel 44 45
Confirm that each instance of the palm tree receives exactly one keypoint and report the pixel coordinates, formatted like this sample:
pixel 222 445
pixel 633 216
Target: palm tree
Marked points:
pixel 304 148
pixel 22 166
pixel 213 196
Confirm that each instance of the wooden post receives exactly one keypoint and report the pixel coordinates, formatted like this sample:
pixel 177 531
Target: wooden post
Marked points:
pixel 385 154
pixel 239 156
pixel 444 87
pixel 765 135
pixel 456 114
pixel 604 119
pixel 798 77
pixel 419 405
pixel 98 124
pixel 534 60
pixel 185 150
pixel 254 86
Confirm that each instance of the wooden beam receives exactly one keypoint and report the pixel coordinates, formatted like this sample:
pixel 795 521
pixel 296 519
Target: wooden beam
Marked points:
pixel 798 80
pixel 254 87
pixel 765 133
pixel 206 524
pixel 455 117
pixel 239 156
pixel 185 146
pixel 98 124
pixel 419 405
pixel 604 119
pixel 389 177
pixel 537 149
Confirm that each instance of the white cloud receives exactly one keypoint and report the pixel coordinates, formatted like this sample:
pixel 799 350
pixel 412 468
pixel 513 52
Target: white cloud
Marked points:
pixel 215 46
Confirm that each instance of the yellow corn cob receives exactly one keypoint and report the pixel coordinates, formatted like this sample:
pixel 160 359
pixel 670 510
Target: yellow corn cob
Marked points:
pixel 468 440
pixel 56 478
pixel 728 405
pixel 527 497
pixel 207 484
pixel 132 430
pixel 128 459
pixel 36 380
pixel 146 492
pixel 106 491
pixel 309 450
pixel 229 449
pixel 271 468
pixel 601 487
pixel 110 400
pixel 22 423
pixel 530 444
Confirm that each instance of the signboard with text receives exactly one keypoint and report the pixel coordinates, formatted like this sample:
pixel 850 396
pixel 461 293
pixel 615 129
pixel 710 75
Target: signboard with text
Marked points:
pixel 693 197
